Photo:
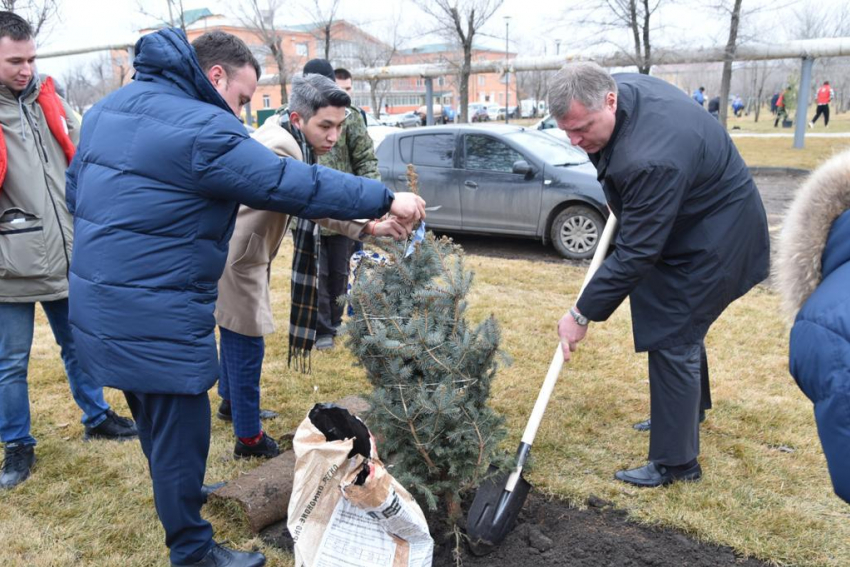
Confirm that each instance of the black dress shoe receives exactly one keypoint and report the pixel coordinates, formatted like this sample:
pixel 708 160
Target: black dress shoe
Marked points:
pixel 266 448
pixel 646 424
pixel 220 556
pixel 225 412
pixel 654 474
pixel 113 428
pixel 17 464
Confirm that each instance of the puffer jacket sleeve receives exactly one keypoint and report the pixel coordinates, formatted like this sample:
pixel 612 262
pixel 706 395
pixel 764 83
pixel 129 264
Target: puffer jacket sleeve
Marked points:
pixel 229 165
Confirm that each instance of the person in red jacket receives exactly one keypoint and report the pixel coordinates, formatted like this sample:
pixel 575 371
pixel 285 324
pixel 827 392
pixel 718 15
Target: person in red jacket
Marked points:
pixel 781 111
pixel 824 97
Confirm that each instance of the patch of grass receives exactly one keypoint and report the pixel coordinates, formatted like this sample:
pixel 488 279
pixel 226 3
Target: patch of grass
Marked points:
pixel 837 122
pixel 91 504
pixel 780 152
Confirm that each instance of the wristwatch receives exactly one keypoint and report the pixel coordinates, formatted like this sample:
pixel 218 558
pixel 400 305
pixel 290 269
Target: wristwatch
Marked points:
pixel 580 319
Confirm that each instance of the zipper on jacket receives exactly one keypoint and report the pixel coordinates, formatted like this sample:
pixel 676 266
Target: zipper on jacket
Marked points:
pixel 40 145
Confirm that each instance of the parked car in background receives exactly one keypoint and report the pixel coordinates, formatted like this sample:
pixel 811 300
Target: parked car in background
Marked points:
pixel 478 112
pixel 378 131
pixel 403 120
pixel 501 179
pixel 512 112
pixel 493 112
pixel 530 108
pixel 440 117
pixel 549 126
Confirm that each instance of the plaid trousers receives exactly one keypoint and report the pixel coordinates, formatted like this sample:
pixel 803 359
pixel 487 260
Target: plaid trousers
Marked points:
pixel 241 360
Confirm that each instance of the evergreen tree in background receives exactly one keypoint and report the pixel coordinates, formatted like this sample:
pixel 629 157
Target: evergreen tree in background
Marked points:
pixel 430 370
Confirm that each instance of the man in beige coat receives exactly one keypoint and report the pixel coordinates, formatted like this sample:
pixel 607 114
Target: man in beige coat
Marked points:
pixel 307 129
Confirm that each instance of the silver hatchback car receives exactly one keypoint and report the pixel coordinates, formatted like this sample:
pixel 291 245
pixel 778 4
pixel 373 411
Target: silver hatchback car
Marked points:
pixel 500 179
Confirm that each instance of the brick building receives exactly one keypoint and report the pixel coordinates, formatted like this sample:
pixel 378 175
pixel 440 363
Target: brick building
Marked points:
pixel 348 45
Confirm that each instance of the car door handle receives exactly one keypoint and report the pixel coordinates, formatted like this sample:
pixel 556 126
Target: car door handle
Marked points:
pixel 401 178
pixel 470 184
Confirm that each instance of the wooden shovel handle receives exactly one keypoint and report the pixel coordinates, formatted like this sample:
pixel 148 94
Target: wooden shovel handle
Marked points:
pixel 558 357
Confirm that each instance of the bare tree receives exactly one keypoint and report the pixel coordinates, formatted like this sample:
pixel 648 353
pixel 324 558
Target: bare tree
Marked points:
pixel 377 54
pixel 175 18
pixel 728 58
pixel 460 21
pixel 86 83
pixel 756 75
pixel 634 17
pixel 812 20
pixel 322 13
pixel 41 14
pixel 259 17
pixel 532 84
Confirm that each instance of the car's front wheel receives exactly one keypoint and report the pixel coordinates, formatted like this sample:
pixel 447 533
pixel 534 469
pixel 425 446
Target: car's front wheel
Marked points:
pixel 576 231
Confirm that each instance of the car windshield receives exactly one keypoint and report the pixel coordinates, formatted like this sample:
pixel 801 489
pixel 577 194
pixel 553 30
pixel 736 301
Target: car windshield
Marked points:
pixel 551 150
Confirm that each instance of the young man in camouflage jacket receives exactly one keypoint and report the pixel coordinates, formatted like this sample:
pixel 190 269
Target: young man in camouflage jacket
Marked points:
pixel 354 153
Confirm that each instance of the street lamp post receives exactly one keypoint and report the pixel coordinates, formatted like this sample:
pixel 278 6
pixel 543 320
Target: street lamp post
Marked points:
pixel 507 72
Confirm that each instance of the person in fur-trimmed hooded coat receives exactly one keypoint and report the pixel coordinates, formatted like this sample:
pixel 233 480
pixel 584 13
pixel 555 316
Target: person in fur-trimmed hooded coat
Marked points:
pixel 813 274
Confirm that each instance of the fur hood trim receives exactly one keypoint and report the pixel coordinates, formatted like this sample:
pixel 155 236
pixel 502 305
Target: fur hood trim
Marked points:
pixel 819 202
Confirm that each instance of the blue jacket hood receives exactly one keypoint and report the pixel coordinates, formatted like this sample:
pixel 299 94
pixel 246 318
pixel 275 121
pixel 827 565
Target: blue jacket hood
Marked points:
pixel 167 56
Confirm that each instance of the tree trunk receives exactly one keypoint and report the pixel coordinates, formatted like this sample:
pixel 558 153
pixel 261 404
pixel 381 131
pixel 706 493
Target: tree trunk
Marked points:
pixel 463 88
pixel 635 32
pixel 277 52
pixel 453 508
pixel 647 48
pixel 328 41
pixel 729 57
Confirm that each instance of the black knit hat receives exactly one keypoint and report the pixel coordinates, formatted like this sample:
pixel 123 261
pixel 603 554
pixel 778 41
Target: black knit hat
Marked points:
pixel 320 67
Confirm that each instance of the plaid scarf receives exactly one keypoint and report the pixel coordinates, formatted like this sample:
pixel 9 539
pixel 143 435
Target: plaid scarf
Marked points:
pixel 305 270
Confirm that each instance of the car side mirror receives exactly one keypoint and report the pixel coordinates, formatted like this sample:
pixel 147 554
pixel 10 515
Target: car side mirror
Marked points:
pixel 522 167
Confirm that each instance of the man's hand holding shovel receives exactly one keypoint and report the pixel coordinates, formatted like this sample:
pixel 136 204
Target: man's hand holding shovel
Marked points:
pixel 571 329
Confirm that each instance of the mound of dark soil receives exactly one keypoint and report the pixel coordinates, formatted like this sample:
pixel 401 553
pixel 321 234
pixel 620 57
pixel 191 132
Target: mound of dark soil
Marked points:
pixel 550 532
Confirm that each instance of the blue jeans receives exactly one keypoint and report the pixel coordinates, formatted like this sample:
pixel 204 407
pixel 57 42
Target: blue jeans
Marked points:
pixel 241 365
pixel 16 332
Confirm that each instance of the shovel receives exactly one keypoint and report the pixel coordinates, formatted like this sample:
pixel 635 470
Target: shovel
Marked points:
pixel 500 498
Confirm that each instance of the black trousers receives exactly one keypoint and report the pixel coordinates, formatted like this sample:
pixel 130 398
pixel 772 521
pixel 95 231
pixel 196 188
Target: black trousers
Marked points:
pixel 334 254
pixel 174 432
pixel 679 389
pixel 822 109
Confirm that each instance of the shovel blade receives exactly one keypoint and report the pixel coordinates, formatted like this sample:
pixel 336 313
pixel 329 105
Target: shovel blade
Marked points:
pixel 494 511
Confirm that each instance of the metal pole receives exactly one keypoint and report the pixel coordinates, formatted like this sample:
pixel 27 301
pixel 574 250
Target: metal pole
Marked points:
pixel 831 47
pixel 803 102
pixel 249 118
pixel 507 70
pixel 557 47
pixel 429 101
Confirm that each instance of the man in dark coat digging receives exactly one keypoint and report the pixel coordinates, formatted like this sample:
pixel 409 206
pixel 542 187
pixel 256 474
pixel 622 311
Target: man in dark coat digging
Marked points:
pixel 693 238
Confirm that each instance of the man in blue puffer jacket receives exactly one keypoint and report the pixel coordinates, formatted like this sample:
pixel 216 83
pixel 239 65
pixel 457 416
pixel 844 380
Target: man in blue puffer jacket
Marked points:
pixel 161 168
pixel 813 275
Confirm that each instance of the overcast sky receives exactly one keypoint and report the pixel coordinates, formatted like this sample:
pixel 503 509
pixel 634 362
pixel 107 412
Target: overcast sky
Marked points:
pixel 87 23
